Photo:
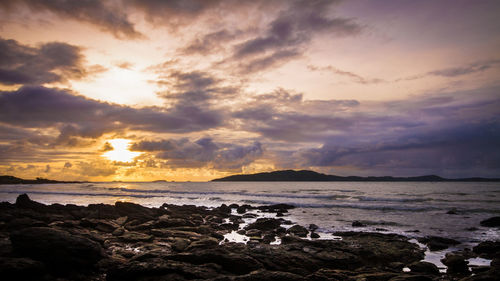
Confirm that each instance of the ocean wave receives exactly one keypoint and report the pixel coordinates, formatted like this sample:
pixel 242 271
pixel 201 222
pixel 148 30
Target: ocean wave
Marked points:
pixel 385 199
pixel 79 194
pixel 239 193
pixel 353 206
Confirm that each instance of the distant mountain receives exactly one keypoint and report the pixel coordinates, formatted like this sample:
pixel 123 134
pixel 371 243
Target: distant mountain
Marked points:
pixel 305 175
pixel 14 180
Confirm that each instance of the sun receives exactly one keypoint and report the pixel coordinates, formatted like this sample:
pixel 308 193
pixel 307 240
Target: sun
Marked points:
pixel 120 152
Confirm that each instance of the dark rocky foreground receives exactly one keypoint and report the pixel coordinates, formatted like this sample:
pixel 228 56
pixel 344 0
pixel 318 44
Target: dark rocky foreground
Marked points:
pixel 127 241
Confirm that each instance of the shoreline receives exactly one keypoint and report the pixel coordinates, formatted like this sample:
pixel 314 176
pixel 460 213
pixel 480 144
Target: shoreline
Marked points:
pixel 127 241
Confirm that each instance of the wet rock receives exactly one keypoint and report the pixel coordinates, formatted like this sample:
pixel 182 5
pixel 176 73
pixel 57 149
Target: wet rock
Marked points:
pixel 20 269
pixel 56 247
pixel 264 224
pixel 313 227
pixel 269 275
pixel 134 211
pixel 231 262
pixel 253 232
pixel 298 230
pixel 358 224
pixel 132 236
pixel 23 201
pixel 106 226
pixel 208 242
pixel 121 220
pixel 488 249
pixel 424 267
pixel 456 264
pixel 180 244
pixel 241 209
pixel 437 243
pixel 118 232
pixel 491 222
pixel 314 235
pixel 406 277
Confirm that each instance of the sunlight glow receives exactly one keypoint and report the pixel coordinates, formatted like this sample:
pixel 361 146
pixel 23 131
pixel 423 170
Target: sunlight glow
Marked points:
pixel 120 152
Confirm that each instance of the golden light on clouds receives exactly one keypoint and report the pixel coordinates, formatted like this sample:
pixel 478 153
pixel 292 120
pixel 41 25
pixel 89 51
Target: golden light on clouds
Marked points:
pixel 120 152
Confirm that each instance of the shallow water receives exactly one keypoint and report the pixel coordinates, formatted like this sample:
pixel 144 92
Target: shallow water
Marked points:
pixel 395 207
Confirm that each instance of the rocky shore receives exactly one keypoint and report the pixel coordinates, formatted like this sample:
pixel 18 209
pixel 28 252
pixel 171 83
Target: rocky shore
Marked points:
pixel 127 241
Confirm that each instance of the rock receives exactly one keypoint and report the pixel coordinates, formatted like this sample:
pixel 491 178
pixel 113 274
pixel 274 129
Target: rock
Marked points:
pixel 406 277
pixel 264 224
pixel 269 275
pixel 180 244
pixel 437 243
pixel 488 249
pixel 452 212
pixel 314 235
pixel 121 220
pixel 491 222
pixel 172 222
pixel 424 267
pixel 23 201
pixel 232 262
pixel 313 227
pixel 203 243
pixel 56 247
pixel 298 230
pixel 106 226
pixel 134 211
pixel 456 264
pixel 253 232
pixel 118 232
pixel 241 209
pixel 20 269
pixel 132 236
pixel 358 224
pixel 280 214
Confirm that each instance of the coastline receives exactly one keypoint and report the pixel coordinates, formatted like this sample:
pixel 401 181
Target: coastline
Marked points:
pixel 127 241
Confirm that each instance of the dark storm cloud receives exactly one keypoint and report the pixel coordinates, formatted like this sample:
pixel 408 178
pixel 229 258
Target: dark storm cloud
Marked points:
pixel 39 107
pixel 103 14
pixel 184 153
pixel 296 26
pixel 46 63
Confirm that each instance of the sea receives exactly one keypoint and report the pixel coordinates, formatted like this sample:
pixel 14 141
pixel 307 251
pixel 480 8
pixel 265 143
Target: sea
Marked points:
pixel 412 209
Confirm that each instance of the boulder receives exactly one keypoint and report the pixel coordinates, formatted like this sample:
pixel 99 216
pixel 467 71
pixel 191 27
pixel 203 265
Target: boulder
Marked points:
pixel 358 224
pixel 424 267
pixel 23 201
pixel 264 224
pixel 436 243
pixel 134 211
pixel 456 264
pixel 298 230
pixel 132 236
pixel 488 249
pixel 56 247
pixel 491 222
pixel 20 269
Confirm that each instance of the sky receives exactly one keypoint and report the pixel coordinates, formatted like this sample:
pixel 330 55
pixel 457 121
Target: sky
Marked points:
pixel 193 90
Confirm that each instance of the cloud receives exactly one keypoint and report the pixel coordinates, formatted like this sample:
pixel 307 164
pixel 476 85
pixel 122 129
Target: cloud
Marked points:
pixel 354 77
pixel 46 63
pixel 108 16
pixel 457 71
pixel 296 26
pixel 204 152
pixel 73 115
